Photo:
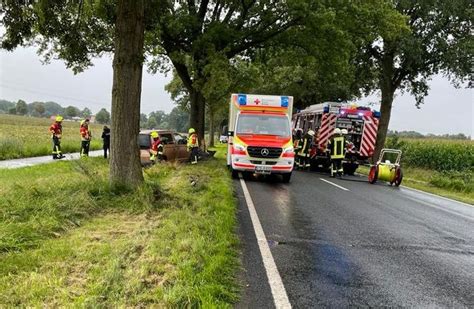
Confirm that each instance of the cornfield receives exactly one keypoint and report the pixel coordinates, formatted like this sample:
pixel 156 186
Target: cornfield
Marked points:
pixel 22 136
pixel 452 161
pixel 436 154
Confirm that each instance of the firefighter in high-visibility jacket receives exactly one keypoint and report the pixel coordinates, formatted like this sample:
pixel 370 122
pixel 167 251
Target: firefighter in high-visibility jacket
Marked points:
pixel 336 148
pixel 297 143
pixel 86 137
pixel 156 150
pixel 193 146
pixel 56 130
pixel 303 153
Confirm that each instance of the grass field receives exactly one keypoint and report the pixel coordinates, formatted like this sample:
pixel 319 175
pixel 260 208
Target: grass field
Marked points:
pixel 22 136
pixel 67 240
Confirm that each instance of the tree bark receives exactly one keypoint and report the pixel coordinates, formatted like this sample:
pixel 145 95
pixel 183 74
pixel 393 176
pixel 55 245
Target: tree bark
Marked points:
pixel 388 90
pixel 125 167
pixel 211 128
pixel 197 114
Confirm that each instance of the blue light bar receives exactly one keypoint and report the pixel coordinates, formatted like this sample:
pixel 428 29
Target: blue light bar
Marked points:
pixel 326 109
pixel 284 101
pixel 242 99
pixel 376 114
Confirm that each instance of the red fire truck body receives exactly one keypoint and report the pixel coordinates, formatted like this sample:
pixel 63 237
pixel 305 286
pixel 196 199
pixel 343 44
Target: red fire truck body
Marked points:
pixel 360 122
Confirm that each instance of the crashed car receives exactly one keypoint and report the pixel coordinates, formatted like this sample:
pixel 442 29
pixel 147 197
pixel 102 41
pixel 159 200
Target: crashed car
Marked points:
pixel 174 146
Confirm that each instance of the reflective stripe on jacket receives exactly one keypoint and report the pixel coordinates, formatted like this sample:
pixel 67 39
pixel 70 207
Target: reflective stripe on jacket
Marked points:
pixel 193 141
pixel 337 147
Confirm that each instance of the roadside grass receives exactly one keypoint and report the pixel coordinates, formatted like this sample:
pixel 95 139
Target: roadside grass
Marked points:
pixel 455 185
pixel 66 239
pixel 22 136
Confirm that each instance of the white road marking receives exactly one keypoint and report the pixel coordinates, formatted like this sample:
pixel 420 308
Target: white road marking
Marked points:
pixel 336 185
pixel 280 298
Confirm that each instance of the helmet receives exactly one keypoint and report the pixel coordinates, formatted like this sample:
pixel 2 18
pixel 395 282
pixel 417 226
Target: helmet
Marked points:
pixel 344 131
pixel 59 118
pixel 191 130
pixel 311 133
pixel 337 131
pixel 154 134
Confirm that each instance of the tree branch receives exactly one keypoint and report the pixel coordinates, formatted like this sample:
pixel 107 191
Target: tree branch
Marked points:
pixel 202 11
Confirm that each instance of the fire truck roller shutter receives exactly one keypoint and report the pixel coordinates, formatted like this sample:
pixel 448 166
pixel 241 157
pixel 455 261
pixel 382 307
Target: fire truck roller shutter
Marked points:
pixel 369 135
pixel 328 124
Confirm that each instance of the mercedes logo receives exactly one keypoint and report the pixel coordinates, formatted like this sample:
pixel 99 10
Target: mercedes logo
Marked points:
pixel 265 152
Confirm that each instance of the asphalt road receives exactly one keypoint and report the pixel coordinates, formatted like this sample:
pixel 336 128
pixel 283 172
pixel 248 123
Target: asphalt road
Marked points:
pixel 368 245
pixel 23 162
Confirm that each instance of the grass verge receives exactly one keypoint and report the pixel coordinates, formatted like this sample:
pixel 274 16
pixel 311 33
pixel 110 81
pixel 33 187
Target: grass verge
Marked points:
pixel 66 239
pixel 457 186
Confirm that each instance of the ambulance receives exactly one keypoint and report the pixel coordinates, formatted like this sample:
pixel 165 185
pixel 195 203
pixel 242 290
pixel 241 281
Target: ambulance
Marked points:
pixel 260 140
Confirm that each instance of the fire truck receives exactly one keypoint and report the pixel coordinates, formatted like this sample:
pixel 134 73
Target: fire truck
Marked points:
pixel 260 138
pixel 360 122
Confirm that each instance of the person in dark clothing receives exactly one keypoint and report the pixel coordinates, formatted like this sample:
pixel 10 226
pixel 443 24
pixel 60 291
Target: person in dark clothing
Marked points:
pixel 303 154
pixel 297 145
pixel 106 140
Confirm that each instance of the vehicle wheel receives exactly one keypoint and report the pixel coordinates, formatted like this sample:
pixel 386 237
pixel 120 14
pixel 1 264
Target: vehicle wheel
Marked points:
pixel 235 174
pixel 398 177
pixel 350 168
pixel 286 177
pixel 373 174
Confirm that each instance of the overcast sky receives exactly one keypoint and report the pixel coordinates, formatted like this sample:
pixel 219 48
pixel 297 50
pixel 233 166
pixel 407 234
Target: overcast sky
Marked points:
pixel 22 76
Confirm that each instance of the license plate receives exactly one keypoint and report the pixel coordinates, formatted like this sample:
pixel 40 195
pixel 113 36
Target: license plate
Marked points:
pixel 262 169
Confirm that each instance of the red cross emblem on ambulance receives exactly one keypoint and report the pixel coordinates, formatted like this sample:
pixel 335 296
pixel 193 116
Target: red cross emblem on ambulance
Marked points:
pixel 257 101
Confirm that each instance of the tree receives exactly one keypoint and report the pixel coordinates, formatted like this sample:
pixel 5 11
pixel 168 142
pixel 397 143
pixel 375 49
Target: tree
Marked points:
pixel 77 31
pixel 5 106
pixel 103 116
pixel 12 111
pixel 86 112
pixel 21 108
pixel 39 108
pixel 143 120
pixel 192 35
pixel 71 111
pixel 53 108
pixel 436 38
pixel 179 120
pixel 126 92
pixel 152 123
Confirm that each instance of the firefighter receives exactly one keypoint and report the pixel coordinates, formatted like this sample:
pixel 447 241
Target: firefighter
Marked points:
pixel 303 154
pixel 56 130
pixel 297 143
pixel 106 140
pixel 156 148
pixel 336 148
pixel 193 146
pixel 85 137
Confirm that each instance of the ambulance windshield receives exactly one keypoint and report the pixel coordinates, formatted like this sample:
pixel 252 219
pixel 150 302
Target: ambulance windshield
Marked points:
pixel 263 125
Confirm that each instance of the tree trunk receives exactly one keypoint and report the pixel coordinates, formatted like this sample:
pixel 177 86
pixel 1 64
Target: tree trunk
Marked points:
pixel 125 167
pixel 385 112
pixel 211 128
pixel 388 90
pixel 197 114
